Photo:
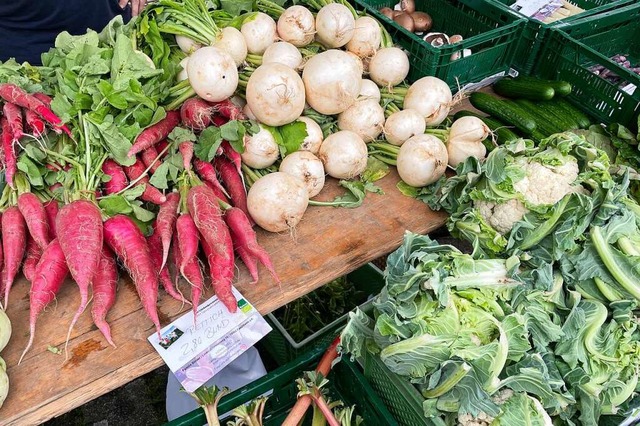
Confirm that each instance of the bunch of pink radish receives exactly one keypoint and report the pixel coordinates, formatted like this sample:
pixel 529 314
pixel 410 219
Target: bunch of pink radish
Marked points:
pixel 206 222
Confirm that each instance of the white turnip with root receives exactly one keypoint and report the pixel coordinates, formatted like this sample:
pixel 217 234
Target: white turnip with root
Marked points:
pixel 389 67
pixel 431 97
pixel 403 125
pixel 358 61
pixel 213 74
pixel 314 137
pixel 332 81
pixel 275 93
pixel 297 26
pixel 365 118
pixel 465 140
pixel 422 160
pixel 307 167
pixel 187 45
pixel 334 25
pixel 283 53
pixel 260 149
pixel 369 90
pixel 366 37
pixel 277 202
pixel 183 75
pixel 344 155
pixel 259 33
pixel 232 41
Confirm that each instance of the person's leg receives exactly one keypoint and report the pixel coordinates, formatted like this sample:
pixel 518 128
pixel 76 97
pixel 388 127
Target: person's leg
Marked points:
pixel 242 371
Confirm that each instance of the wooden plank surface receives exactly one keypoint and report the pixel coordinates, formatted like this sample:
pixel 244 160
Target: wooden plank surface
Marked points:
pixel 328 243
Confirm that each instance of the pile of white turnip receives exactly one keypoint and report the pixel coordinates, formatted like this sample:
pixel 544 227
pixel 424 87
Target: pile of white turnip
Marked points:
pixel 342 81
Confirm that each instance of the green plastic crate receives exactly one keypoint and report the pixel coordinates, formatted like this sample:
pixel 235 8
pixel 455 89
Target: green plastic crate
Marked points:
pixel 368 280
pixel 572 49
pixel 346 382
pixel 533 36
pixel 490 31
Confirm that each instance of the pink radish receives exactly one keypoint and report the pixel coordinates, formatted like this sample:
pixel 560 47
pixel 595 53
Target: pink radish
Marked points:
pixel 207 173
pixel 155 133
pixel 196 113
pixel 14 241
pixel 251 262
pixel 51 272
pixel 217 192
pixel 14 117
pixel 79 231
pixel 244 236
pixel 160 146
pixel 165 222
pixel 35 216
pixel 31 260
pixel 186 150
pixel 192 273
pixel 149 156
pixel 233 155
pixel 187 236
pixel 126 240
pixel 155 249
pixel 45 99
pixel 105 283
pixel 51 209
pixel 118 180
pixel 233 182
pixel 10 161
pixel 151 193
pixel 228 109
pixel 34 123
pixel 216 241
pixel 218 120
pixel 12 93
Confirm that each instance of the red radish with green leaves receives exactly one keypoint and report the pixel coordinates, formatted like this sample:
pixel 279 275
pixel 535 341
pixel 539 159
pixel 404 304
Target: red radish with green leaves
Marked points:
pixel 118 179
pixel 79 231
pixel 35 216
pixel 228 110
pixel 191 272
pixel 165 223
pixel 14 117
pixel 155 133
pixel 216 242
pixel 196 113
pixel 34 123
pixel 126 240
pixel 105 284
pixel 151 193
pixel 233 182
pixel 50 273
pixel 251 262
pixel 51 209
pixel 10 161
pixel 12 93
pixel 14 242
pixel 186 150
pixel 31 260
pixel 155 249
pixel 187 237
pixel 150 159
pixel 207 173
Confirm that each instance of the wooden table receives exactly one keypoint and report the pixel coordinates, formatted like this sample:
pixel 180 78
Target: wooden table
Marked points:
pixel 328 243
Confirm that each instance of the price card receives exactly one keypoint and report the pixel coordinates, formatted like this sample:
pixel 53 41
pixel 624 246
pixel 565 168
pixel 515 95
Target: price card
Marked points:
pixel 197 352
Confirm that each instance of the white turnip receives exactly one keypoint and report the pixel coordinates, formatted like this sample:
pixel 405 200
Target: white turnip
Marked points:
pixel 307 167
pixel 213 74
pixel 403 125
pixel 389 66
pixel 247 111
pixel 314 137
pixel 332 81
pixel 232 41
pixel 187 45
pixel 431 97
pixel 260 149
pixel 259 33
pixel 344 155
pixel 277 201
pixel 369 90
pixel 365 118
pixel 297 26
pixel 465 140
pixel 275 93
pixel 283 53
pixel 334 25
pixel 366 37
pixel 422 160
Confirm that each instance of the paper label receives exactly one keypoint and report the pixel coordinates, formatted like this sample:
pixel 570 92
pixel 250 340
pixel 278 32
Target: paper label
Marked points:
pixel 539 9
pixel 197 352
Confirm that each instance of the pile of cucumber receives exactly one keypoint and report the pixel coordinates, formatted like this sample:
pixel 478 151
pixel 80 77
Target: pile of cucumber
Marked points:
pixel 535 109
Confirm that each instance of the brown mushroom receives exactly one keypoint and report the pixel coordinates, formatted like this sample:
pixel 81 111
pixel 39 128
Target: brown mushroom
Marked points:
pixel 436 39
pixel 388 12
pixel 405 20
pixel 408 6
pixel 455 39
pixel 422 21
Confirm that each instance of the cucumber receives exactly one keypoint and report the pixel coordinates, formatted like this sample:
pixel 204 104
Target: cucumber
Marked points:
pixel 560 87
pixel 502 132
pixel 553 110
pixel 543 124
pixel 503 112
pixel 582 119
pixel 524 89
pixel 558 122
